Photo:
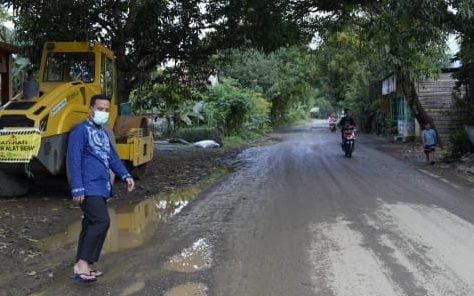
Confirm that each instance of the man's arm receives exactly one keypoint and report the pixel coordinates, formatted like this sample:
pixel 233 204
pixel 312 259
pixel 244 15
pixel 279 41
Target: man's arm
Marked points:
pixel 75 149
pixel 119 169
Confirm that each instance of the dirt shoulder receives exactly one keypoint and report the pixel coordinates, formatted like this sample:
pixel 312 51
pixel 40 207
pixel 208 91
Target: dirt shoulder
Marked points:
pixel 48 210
pixel 460 172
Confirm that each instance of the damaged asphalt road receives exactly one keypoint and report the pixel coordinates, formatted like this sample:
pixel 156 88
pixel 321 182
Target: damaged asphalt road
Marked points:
pixel 297 218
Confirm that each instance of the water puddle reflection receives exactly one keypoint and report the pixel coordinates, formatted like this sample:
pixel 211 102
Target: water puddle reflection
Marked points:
pixel 134 224
pixel 195 258
pixel 188 289
pixel 134 288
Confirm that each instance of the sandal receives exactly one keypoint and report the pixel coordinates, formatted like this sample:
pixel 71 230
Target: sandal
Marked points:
pixel 96 273
pixel 83 277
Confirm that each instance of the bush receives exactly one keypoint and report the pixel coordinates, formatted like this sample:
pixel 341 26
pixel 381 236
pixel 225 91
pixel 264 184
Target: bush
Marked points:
pixel 459 144
pixel 285 77
pixel 258 116
pixel 231 108
pixel 296 114
pixel 195 134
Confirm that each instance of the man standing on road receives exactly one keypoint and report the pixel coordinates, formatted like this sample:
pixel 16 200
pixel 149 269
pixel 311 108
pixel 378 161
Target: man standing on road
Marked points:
pixel 90 156
pixel 428 136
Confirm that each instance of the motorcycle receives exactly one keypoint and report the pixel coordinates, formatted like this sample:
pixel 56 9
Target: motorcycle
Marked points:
pixel 349 140
pixel 332 124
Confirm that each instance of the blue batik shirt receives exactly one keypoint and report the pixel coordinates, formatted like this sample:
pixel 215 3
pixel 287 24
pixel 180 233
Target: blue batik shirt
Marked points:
pixel 90 155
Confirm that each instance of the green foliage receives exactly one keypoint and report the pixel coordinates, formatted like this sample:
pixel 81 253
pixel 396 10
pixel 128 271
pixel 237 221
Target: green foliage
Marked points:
pixel 146 99
pixel 259 114
pixel 20 64
pixel 147 33
pixel 348 75
pixel 465 27
pixel 459 144
pixel 263 24
pixel 232 108
pixel 260 44
pixel 297 113
pixel 19 70
pixel 361 42
pixel 143 34
pixel 325 107
pixel 165 96
pixel 6 34
pixel 285 77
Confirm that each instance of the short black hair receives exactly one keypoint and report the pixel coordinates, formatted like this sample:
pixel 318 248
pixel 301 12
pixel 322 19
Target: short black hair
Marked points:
pixel 99 97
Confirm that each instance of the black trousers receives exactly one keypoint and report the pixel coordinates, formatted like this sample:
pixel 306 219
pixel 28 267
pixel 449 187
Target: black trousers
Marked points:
pixel 95 224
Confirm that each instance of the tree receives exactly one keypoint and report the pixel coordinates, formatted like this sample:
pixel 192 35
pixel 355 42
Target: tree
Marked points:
pixel 142 33
pixel 264 24
pixel 410 36
pixel 285 76
pixel 349 70
pixel 145 34
pixel 464 26
pixel 6 35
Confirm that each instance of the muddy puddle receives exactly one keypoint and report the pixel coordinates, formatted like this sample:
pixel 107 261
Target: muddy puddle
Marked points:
pixel 189 289
pixel 133 224
pixel 192 259
pixel 133 289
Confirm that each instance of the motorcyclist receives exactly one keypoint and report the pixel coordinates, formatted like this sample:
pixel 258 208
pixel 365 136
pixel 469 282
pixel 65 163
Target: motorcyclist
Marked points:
pixel 332 121
pixel 345 121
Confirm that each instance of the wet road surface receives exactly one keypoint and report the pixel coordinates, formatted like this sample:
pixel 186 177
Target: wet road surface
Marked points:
pixel 317 223
pixel 298 218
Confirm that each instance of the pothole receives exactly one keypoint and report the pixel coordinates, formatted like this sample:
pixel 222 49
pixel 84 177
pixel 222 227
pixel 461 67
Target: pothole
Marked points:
pixel 195 258
pixel 188 289
pixel 134 224
pixel 133 288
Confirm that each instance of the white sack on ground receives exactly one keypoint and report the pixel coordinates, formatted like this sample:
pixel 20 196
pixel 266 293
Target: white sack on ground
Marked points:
pixel 207 144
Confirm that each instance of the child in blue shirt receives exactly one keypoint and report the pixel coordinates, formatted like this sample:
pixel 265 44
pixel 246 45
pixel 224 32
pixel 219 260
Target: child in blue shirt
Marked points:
pixel 428 136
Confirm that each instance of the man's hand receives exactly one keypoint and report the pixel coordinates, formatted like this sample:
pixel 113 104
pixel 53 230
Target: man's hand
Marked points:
pixel 79 199
pixel 130 184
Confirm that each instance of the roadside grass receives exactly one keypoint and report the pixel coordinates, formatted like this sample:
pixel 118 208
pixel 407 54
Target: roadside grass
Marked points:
pixel 234 142
pixel 243 138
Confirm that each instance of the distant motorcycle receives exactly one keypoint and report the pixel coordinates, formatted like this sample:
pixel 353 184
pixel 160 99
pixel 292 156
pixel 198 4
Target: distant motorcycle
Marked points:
pixel 349 140
pixel 332 124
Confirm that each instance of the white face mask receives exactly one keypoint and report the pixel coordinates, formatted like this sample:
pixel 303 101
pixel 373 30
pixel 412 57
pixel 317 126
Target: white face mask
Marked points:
pixel 100 117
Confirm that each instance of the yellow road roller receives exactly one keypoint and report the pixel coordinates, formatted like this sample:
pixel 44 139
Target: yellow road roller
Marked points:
pixel 34 124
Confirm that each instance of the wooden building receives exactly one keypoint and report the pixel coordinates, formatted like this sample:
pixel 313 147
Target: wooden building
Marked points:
pixel 6 62
pixel 437 98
